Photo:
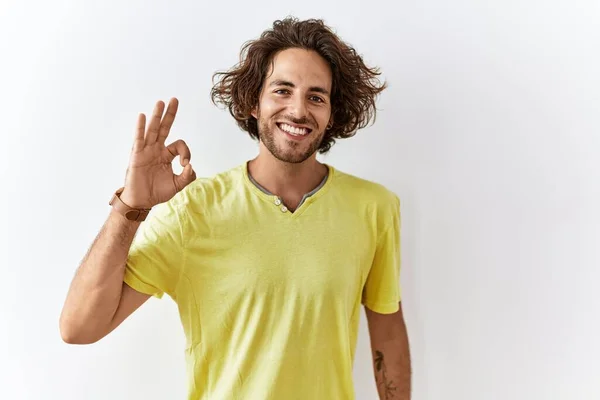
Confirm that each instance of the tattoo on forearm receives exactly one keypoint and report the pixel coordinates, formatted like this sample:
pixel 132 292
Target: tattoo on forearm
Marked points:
pixel 384 384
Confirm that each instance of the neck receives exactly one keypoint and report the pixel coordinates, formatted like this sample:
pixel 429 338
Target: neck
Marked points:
pixel 286 179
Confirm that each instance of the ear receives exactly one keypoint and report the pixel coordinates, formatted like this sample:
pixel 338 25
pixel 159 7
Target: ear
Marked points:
pixel 331 121
pixel 330 124
pixel 254 111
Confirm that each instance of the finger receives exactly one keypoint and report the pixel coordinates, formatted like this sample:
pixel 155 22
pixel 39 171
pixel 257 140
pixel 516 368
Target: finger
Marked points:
pixel 181 149
pixel 152 133
pixel 167 121
pixel 186 177
pixel 138 140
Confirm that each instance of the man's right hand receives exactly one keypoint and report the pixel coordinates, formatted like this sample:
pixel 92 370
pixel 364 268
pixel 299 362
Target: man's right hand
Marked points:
pixel 150 179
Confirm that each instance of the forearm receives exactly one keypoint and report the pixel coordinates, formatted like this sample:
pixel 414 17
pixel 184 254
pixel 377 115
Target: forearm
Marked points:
pixel 392 366
pixel 95 291
pixel 391 354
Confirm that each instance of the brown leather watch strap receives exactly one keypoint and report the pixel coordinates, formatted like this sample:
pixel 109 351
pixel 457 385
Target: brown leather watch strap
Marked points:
pixel 132 214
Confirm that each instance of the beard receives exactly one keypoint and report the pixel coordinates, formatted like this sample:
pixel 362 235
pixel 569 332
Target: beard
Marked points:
pixel 292 151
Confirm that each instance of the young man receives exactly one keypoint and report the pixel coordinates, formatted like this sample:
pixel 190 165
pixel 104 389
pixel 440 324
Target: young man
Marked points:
pixel 269 262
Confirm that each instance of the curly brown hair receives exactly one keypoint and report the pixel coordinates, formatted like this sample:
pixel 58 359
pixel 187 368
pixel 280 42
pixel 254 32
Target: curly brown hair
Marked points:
pixel 354 85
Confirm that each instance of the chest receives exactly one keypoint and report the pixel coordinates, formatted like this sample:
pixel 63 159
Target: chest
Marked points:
pixel 288 259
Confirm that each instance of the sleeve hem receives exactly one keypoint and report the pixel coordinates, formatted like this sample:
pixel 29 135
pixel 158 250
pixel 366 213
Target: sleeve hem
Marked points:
pixel 383 308
pixel 140 286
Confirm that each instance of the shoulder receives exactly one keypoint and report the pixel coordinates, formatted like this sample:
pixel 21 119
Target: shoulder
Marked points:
pixel 206 191
pixel 364 190
pixel 369 198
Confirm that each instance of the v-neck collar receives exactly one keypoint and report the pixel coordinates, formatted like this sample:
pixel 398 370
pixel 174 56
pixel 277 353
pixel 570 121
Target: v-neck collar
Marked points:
pixel 276 201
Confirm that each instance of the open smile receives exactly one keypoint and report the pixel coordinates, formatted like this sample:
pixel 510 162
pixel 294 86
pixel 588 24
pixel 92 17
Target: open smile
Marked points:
pixel 296 132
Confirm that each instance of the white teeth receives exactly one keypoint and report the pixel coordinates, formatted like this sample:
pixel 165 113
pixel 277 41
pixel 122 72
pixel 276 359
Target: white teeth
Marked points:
pixel 293 130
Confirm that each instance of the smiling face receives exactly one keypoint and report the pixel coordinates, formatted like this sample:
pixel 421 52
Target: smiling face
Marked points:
pixel 294 105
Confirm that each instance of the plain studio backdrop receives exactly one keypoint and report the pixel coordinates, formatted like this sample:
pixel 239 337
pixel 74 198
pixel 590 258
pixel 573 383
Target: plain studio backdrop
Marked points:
pixel 489 133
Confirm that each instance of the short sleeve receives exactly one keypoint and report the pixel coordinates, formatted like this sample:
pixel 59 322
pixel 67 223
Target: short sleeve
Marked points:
pixel 381 292
pixel 156 255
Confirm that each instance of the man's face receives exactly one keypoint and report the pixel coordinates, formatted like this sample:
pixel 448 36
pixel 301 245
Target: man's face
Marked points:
pixel 294 105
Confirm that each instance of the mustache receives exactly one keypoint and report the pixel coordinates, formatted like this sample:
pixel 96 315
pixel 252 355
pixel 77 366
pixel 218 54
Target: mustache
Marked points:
pixel 299 121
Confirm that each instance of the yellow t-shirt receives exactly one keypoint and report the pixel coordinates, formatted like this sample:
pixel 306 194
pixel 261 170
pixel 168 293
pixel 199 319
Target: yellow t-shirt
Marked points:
pixel 270 300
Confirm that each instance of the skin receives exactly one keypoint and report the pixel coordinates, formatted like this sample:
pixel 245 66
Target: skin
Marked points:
pixel 391 354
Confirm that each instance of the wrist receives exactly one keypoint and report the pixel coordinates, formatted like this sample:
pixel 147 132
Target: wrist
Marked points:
pixel 135 210
pixel 132 202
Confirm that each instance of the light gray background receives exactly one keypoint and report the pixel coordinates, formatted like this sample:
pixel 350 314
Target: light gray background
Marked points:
pixel 489 132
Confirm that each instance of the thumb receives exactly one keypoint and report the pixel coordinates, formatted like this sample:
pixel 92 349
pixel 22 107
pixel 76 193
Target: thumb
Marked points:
pixel 186 177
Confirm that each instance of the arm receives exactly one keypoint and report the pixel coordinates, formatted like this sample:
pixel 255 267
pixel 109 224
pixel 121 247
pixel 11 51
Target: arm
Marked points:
pixel 391 354
pixel 98 300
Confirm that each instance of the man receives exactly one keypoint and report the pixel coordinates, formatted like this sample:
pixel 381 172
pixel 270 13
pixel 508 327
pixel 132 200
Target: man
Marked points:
pixel 269 262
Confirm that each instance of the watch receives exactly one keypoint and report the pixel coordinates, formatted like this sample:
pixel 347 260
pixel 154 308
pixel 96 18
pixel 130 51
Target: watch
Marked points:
pixel 132 214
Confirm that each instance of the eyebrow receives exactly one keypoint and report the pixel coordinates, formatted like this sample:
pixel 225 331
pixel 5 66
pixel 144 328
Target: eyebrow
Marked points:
pixel 280 82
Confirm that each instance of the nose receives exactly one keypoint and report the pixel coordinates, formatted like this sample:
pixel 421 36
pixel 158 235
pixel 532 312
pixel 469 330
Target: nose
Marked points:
pixel 298 107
